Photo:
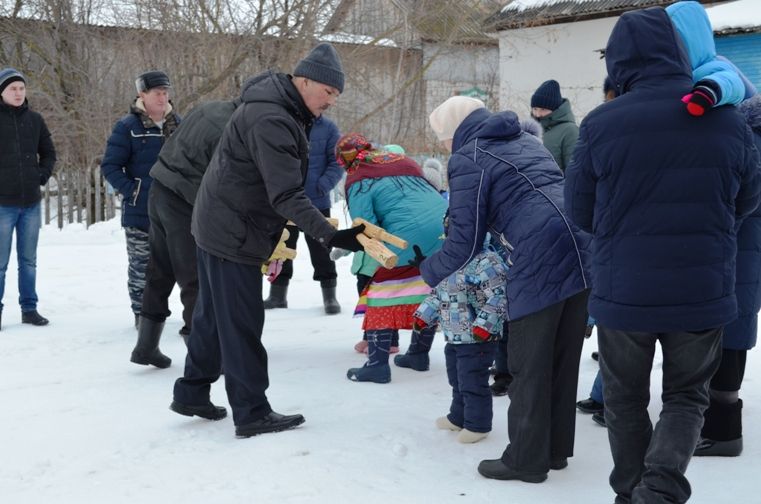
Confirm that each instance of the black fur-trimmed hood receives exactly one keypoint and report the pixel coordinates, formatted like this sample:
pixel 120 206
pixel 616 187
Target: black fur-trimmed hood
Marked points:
pixel 751 109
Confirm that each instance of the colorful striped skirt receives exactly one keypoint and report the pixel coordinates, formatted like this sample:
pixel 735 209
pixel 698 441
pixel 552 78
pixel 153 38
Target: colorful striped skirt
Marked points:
pixel 391 297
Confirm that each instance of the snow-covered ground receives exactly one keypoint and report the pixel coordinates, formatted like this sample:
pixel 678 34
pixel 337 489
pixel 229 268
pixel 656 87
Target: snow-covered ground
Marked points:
pixel 80 423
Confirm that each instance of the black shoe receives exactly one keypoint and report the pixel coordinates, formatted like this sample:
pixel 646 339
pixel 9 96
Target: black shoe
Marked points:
pixel 596 356
pixel 273 422
pixel 558 464
pixel 599 418
pixel 496 469
pixel 208 411
pixel 589 406
pixel 501 384
pixel 711 448
pixel 34 318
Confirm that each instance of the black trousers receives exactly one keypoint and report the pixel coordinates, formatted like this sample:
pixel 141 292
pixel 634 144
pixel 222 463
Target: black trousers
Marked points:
pixel 543 353
pixel 324 268
pixel 172 255
pixel 649 464
pixel 227 327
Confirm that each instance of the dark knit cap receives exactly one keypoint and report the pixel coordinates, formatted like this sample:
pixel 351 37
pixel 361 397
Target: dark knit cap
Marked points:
pixel 153 79
pixel 547 96
pixel 322 65
pixel 8 75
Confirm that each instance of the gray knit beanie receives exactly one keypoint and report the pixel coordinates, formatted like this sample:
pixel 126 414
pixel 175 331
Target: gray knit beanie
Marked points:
pixel 8 75
pixel 322 65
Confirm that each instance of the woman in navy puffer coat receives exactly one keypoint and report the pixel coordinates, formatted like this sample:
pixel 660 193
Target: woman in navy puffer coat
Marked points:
pixel 504 181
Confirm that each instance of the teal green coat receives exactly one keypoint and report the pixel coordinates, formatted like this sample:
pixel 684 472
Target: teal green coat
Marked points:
pixel 560 133
pixel 405 206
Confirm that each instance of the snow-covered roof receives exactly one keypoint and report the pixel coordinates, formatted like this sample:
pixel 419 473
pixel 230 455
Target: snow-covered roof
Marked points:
pixel 523 13
pixel 740 14
pixel 348 38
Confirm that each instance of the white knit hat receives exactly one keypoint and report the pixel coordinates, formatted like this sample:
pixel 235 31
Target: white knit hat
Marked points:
pixel 447 117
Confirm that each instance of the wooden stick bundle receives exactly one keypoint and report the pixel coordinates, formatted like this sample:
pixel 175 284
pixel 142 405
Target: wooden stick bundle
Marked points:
pixel 379 233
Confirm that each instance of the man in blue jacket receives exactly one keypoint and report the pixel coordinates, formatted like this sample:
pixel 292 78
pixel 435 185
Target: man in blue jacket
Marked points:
pixel 322 176
pixel 132 149
pixel 661 191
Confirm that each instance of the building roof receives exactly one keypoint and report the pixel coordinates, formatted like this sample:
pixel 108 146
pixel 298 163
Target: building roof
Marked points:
pixel 526 13
pixel 735 17
pixel 434 20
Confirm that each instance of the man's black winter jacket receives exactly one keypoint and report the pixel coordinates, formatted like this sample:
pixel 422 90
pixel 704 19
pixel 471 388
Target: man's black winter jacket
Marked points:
pixel 27 155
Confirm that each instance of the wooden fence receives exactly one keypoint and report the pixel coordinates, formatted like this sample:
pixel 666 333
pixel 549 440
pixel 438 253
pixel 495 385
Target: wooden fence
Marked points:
pixel 78 195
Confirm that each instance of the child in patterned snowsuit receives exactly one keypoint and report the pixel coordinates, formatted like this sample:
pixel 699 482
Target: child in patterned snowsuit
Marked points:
pixel 469 306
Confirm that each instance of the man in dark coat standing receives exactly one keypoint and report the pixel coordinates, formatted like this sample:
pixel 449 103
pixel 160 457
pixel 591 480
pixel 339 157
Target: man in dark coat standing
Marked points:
pixel 322 176
pixel 132 149
pixel 252 187
pixel 661 191
pixel 27 157
pixel 176 178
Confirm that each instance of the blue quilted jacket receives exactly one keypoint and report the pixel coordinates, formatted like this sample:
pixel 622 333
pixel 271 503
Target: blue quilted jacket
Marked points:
pixel 132 149
pixel 502 180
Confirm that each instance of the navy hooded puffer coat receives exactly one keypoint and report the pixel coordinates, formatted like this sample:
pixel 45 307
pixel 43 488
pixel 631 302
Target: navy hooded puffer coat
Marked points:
pixel 504 181
pixel 660 189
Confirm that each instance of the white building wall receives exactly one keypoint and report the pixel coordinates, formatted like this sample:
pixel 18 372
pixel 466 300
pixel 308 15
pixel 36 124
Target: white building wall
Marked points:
pixel 565 52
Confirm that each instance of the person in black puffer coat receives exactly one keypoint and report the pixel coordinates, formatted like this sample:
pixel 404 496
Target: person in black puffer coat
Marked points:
pixel 27 158
pixel 254 184
pixel 132 149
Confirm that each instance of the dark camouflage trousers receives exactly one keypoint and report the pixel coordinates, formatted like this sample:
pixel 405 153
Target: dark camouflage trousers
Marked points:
pixel 137 254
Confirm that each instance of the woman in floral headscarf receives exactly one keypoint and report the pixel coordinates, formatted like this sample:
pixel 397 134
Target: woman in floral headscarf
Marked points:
pixel 389 190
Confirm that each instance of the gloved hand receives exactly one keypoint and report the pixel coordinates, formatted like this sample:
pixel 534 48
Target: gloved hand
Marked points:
pixel 338 253
pixel 481 333
pixel 418 324
pixel 419 257
pixel 273 269
pixel 347 239
pixel 702 97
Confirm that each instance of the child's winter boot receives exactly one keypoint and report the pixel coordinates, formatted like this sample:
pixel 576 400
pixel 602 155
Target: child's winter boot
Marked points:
pixel 417 354
pixel 376 369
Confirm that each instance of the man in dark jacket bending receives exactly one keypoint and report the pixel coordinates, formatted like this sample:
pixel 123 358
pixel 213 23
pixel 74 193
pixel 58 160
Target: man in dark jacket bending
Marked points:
pixel 661 191
pixel 176 178
pixel 252 187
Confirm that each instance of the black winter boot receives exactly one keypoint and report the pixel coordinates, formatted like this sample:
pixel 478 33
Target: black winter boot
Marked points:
pixel 329 300
pixel 417 354
pixel 722 431
pixel 34 318
pixel 376 369
pixel 277 297
pixel 147 349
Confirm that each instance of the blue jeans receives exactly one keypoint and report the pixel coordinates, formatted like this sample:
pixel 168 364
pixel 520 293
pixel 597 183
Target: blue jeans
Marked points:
pixel 596 392
pixel 26 221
